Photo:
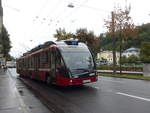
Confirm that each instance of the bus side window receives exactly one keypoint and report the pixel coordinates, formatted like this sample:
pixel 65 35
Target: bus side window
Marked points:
pixel 41 60
pixel 32 62
pixel 60 66
pixel 37 59
pixel 49 58
pixel 58 59
pixel 44 59
pixel 30 65
pixel 28 62
pixel 52 59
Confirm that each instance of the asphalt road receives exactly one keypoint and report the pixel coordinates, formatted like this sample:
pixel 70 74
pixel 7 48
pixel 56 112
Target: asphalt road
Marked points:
pixel 108 95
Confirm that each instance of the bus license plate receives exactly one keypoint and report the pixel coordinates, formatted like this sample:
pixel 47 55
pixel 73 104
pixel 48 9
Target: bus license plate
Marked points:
pixel 86 81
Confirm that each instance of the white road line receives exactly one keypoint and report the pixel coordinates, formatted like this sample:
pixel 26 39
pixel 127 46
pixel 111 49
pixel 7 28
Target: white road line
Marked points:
pixel 113 81
pixel 96 87
pixel 133 96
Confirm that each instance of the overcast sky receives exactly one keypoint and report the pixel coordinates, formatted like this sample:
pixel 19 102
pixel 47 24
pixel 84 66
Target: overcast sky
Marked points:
pixel 32 22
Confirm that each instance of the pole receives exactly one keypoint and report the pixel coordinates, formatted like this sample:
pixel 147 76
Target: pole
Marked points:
pixel 114 43
pixel 120 34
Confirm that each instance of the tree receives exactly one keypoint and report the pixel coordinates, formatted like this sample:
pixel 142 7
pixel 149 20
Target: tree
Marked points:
pixel 145 52
pixel 133 59
pixel 83 35
pixel 143 35
pixel 123 26
pixel 61 34
pixel 124 60
pixel 106 42
pixel 5 42
pixel 88 37
pixel 130 60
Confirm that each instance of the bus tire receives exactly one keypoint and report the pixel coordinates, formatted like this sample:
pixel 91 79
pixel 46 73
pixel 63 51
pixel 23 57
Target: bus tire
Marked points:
pixel 31 77
pixel 48 80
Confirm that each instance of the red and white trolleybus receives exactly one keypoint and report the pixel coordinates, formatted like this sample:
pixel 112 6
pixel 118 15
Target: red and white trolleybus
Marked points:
pixel 62 63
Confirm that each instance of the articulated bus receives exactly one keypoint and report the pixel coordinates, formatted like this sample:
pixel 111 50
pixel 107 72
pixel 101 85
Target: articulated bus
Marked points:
pixel 63 63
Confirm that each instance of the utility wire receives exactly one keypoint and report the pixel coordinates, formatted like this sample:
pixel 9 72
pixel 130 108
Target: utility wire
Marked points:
pixel 76 9
pixel 13 8
pixel 67 14
pixel 94 8
pixel 57 21
pixel 43 7
pixel 54 9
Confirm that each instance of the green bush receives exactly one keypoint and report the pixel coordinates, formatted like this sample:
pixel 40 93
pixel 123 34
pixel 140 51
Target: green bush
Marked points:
pixel 124 68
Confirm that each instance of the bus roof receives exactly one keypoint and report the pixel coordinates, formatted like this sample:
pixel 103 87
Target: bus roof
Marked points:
pixel 63 44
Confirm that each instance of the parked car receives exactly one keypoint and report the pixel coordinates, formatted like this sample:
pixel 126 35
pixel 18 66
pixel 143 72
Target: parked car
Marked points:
pixel 101 62
pixel 11 64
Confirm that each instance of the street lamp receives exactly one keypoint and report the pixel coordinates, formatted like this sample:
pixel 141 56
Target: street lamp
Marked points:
pixel 71 5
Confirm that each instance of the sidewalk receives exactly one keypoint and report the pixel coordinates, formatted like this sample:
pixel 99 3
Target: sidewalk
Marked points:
pixel 15 97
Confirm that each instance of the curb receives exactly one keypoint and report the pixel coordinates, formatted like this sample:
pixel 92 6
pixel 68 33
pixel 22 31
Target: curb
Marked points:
pixel 126 78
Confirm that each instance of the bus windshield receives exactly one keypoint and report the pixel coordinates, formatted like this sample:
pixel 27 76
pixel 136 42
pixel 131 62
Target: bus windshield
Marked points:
pixel 78 62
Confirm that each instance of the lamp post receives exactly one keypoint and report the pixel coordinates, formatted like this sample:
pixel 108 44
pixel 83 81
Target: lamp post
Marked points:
pixel 70 5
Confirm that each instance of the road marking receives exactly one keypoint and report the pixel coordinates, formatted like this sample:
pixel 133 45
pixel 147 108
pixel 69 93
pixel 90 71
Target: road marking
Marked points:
pixel 96 87
pixel 113 81
pixel 133 96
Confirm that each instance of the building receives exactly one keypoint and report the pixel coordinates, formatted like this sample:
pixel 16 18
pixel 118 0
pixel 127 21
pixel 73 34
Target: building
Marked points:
pixel 108 55
pixel 131 52
pixel 1 16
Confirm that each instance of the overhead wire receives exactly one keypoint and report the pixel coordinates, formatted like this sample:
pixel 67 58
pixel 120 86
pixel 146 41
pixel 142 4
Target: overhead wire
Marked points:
pixel 89 7
pixel 55 20
pixel 54 9
pixel 82 5
pixel 37 18
pixel 66 8
pixel 59 19
pixel 78 7
pixel 42 7
pixel 13 8
pixel 38 14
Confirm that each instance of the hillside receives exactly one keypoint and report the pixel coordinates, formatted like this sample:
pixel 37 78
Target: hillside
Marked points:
pixel 142 36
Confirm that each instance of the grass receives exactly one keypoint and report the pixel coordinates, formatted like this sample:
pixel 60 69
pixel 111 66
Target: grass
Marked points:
pixel 129 76
pixel 124 68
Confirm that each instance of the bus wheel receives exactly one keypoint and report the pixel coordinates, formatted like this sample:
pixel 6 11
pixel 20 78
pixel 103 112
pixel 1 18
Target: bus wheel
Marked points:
pixel 31 77
pixel 48 80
